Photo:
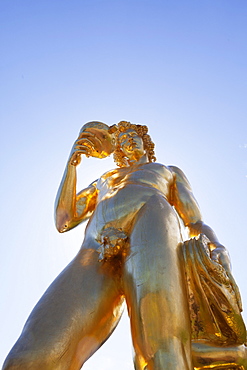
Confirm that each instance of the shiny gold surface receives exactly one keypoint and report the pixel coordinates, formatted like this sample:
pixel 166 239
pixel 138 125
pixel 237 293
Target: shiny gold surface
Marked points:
pixel 183 303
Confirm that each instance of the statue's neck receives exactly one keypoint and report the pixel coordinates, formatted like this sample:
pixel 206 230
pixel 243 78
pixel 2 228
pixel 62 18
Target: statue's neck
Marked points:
pixel 142 160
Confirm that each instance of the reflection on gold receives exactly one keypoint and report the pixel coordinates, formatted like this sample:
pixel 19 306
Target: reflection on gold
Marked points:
pixel 183 303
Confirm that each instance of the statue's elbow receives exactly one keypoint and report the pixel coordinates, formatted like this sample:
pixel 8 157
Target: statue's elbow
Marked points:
pixel 62 221
pixel 62 229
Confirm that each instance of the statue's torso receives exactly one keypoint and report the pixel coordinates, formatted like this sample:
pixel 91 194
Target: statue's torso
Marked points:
pixel 123 191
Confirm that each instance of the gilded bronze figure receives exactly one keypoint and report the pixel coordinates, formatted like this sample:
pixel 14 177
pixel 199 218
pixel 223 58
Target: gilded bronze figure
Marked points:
pixel 183 303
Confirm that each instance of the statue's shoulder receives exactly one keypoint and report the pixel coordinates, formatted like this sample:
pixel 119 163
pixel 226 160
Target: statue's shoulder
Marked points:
pixel 179 174
pixel 108 174
pixel 176 170
pixel 113 173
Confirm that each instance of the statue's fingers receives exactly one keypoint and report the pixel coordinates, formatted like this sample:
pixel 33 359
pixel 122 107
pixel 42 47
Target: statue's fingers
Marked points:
pixel 215 256
pixel 85 134
pixel 85 141
pixel 81 147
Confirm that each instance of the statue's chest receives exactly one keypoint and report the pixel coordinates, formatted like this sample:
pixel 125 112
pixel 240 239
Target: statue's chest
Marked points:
pixel 152 174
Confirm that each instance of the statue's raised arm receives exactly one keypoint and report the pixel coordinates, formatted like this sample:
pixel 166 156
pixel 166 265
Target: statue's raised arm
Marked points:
pixel 95 140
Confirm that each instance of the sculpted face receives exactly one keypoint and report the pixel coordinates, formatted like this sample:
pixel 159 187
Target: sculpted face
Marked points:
pixel 131 145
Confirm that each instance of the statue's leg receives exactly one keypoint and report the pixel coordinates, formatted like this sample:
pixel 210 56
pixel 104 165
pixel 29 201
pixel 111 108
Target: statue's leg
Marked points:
pixel 74 317
pixel 155 290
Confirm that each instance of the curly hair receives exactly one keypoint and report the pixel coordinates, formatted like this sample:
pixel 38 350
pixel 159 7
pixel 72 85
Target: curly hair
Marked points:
pixel 141 130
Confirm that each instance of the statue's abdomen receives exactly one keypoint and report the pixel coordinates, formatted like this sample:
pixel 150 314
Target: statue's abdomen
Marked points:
pixel 120 206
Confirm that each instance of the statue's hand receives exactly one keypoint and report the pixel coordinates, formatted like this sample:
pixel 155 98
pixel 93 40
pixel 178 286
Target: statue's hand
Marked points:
pixel 85 144
pixel 220 254
pixel 95 140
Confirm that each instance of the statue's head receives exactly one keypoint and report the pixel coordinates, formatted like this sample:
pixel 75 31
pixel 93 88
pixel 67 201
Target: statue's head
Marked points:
pixel 132 142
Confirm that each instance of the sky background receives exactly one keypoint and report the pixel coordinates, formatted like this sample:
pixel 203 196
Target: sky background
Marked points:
pixel 179 67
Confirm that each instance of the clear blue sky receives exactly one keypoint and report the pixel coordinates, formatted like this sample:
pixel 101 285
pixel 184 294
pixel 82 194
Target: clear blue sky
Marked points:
pixel 179 67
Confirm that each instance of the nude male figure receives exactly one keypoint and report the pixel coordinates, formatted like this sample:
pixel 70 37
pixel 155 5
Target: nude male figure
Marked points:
pixel 130 252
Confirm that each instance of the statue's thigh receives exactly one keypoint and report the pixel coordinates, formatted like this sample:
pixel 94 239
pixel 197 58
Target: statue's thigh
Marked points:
pixel 72 319
pixel 154 287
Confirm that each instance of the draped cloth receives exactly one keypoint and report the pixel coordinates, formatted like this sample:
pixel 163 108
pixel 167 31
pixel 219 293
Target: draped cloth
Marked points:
pixel 213 304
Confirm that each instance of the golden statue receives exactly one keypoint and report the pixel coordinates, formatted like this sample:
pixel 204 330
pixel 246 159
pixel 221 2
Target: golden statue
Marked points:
pixel 183 303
